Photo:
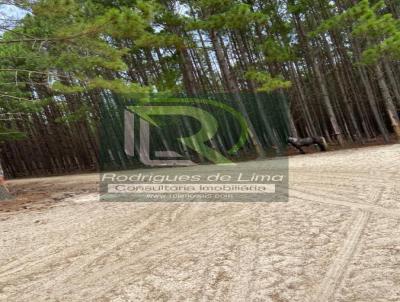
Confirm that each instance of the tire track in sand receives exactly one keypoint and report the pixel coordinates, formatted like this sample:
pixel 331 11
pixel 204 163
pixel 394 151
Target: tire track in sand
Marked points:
pixel 76 267
pixel 248 260
pixel 32 258
pixel 165 242
pixel 373 207
pixel 338 267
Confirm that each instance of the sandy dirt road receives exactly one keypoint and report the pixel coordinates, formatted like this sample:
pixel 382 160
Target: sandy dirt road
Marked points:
pixel 337 239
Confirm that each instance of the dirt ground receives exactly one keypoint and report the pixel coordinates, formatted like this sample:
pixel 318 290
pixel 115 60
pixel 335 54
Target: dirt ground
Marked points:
pixel 337 239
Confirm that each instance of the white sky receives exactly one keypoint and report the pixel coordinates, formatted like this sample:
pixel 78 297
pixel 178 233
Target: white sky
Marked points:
pixel 8 13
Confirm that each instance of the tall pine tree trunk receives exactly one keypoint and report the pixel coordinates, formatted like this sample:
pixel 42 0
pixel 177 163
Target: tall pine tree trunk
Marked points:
pixel 327 103
pixel 187 71
pixel 232 88
pixel 320 79
pixel 392 80
pixel 389 105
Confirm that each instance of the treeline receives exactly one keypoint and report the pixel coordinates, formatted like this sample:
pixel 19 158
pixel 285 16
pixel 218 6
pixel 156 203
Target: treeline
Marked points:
pixel 336 61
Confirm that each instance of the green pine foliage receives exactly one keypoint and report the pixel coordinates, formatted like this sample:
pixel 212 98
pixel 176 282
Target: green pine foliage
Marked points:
pixel 66 60
pixel 369 22
pixel 268 82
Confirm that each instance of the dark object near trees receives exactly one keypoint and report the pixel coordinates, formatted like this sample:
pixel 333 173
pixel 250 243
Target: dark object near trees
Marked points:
pixel 308 141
